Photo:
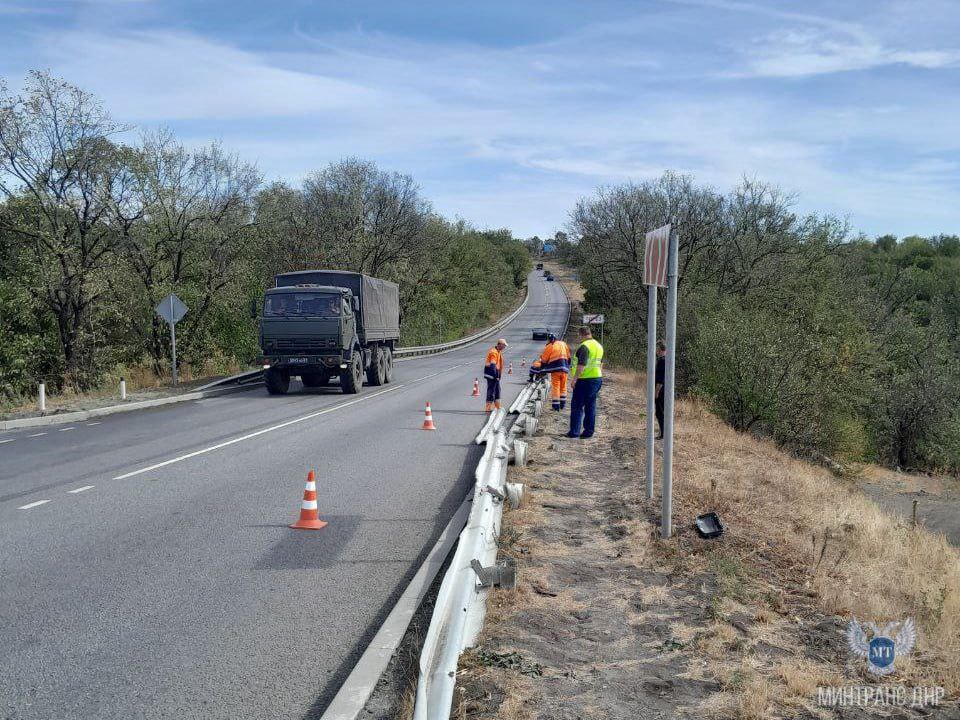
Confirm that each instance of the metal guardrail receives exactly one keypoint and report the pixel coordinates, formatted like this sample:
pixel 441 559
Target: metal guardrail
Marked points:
pixel 462 342
pixel 461 602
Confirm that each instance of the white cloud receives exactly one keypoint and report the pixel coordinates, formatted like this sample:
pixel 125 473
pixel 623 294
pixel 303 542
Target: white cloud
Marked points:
pixel 161 76
pixel 512 136
pixel 814 51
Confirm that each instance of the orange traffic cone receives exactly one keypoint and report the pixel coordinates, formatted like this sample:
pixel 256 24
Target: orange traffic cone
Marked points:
pixel 510 371
pixel 309 519
pixel 476 388
pixel 428 419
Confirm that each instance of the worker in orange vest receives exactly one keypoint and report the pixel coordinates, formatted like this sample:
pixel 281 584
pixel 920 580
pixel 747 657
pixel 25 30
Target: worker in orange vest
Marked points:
pixel 492 372
pixel 555 360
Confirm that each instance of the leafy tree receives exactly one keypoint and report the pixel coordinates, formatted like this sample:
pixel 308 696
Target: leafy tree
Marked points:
pixel 788 325
pixel 64 176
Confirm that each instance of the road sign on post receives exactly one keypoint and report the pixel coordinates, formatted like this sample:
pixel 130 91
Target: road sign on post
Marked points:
pixel 596 319
pixel 172 309
pixel 655 258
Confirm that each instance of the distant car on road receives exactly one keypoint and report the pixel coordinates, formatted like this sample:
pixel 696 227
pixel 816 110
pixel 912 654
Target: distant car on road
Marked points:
pixel 541 333
pixel 539 266
pixel 549 278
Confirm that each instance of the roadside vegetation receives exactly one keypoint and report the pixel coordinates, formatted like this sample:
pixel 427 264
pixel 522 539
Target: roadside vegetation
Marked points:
pixel 789 326
pixel 98 223
pixel 608 620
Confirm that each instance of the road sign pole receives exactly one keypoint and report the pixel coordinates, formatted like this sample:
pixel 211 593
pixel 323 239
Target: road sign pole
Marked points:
pixel 173 343
pixel 668 386
pixel 173 348
pixel 651 382
pixel 172 310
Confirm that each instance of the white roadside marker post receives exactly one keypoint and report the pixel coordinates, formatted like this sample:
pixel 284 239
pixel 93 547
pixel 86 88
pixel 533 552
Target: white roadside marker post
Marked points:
pixel 123 389
pixel 42 397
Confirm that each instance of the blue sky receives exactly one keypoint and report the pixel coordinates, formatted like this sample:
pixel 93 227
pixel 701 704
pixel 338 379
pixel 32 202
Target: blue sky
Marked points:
pixel 506 113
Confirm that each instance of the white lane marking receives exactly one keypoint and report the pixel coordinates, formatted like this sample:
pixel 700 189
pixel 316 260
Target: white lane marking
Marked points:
pixel 66 429
pixel 288 423
pixel 33 504
pixel 80 489
pixel 248 436
pixel 6 441
pixel 441 372
pixel 93 423
pixel 37 434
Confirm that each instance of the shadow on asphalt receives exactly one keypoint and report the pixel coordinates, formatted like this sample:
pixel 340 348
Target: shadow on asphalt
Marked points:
pixel 311 550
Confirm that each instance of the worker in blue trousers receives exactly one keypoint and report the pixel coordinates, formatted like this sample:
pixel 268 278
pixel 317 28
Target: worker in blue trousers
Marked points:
pixel 586 376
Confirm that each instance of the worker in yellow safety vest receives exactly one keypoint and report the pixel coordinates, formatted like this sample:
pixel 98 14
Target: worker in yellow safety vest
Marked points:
pixel 586 377
pixel 555 360
pixel 492 372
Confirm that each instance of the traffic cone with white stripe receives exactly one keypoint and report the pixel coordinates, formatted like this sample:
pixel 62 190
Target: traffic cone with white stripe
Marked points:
pixel 309 518
pixel 428 419
pixel 476 388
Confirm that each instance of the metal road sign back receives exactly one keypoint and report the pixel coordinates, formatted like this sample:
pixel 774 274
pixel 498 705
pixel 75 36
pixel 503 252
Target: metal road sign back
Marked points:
pixel 171 309
pixel 593 319
pixel 655 257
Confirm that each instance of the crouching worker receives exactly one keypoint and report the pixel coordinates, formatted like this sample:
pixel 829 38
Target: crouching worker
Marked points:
pixel 555 360
pixel 534 370
pixel 492 372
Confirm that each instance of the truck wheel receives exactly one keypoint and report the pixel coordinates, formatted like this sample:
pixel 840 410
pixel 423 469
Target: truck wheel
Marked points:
pixel 387 365
pixel 376 373
pixel 351 377
pixel 277 382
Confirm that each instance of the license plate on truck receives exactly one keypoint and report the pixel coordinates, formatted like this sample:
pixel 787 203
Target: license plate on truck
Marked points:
pixel 300 360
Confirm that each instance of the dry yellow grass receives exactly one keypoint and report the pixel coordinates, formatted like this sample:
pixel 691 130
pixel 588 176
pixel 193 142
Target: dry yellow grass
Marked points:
pixel 139 378
pixel 795 518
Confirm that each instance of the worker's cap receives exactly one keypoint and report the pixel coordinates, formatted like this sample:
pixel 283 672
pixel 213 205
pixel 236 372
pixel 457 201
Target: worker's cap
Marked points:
pixel 551 337
pixel 501 341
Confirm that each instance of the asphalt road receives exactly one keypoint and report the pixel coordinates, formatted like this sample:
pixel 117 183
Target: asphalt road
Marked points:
pixel 148 570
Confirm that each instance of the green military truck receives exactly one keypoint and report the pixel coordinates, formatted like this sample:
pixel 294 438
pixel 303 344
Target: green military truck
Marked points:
pixel 321 324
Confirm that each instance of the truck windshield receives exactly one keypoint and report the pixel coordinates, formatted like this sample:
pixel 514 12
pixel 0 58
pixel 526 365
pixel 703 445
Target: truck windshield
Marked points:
pixel 302 304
